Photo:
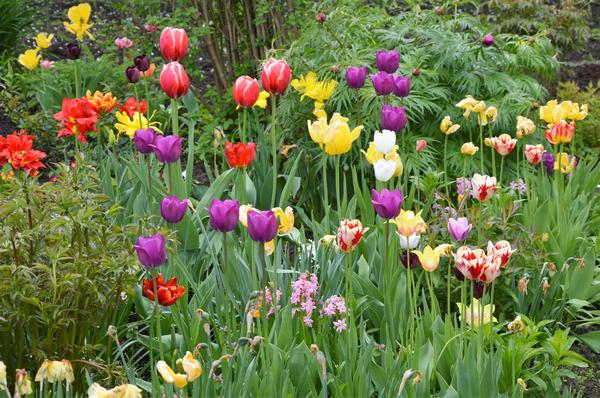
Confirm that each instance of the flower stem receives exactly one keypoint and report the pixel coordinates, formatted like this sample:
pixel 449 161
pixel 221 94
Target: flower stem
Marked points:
pixel 448 287
pixel 244 124
pixel 157 318
pixel 149 167
pixel 337 185
pixel 325 189
pixel 274 148
pixel 481 146
pixel 501 170
pixel 445 168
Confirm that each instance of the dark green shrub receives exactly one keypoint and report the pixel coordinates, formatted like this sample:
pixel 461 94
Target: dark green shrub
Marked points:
pixel 14 16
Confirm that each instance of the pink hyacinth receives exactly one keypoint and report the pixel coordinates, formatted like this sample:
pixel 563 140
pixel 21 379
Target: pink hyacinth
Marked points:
pixel 304 290
pixel 269 301
pixel 334 305
pixel 340 325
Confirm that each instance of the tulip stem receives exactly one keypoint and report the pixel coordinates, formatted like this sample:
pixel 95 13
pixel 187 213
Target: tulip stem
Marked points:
pixel 244 124
pixel 446 179
pixel 448 287
pixel 149 167
pixel 326 190
pixel 175 116
pixel 493 151
pixel 274 148
pixel 501 170
pixel 29 216
pixel 409 287
pixel 157 316
pixel 481 146
pixel 226 275
pixel 337 185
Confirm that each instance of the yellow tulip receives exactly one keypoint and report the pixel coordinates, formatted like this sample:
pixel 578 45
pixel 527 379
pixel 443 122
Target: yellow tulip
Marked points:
pixel 409 223
pixel 44 41
pixel 129 126
pixel 191 367
pixel 395 156
pixel 576 114
pixel 468 103
pixel 447 127
pixel 525 127
pixel 311 87
pixel 468 149
pixel 335 138
pixel 261 102
pixel 484 318
pixel 79 16
pixel 317 129
pixel 285 219
pixel 169 376
pixel 564 163
pixel 488 116
pixel 553 112
pixel 30 59
pixel 244 210
pixel 429 258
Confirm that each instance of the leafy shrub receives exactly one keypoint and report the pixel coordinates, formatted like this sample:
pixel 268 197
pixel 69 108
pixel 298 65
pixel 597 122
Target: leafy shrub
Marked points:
pixel 14 16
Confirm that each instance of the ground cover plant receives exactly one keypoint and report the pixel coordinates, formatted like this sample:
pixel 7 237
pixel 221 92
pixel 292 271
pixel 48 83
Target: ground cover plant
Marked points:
pixel 357 200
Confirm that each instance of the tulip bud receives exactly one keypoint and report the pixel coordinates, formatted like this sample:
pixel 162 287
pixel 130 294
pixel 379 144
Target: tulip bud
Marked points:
pixel 73 51
pixel 144 139
pixel 240 155
pixel 488 40
pixel 167 149
pixel 276 75
pixel 414 260
pixel 262 225
pixel 246 91
pixel 224 214
pixel 387 203
pixel 421 144
pixel 523 282
pixel 401 86
pixel 142 62
pixel 133 74
pixel 393 118
pixel 385 141
pixel 384 169
pixel 172 209
pixel 173 44
pixel 174 80
pixel 478 288
pixel 383 83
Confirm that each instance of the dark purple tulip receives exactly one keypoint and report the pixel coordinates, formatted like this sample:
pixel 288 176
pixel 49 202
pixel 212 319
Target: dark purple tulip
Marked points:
pixel 262 225
pixel 151 250
pixel 478 290
pixel 459 275
pixel 401 86
pixel 488 40
pixel 167 149
pixel 414 260
pixel 73 51
pixel 387 203
pixel 548 160
pixel 388 61
pixel 133 74
pixel 393 118
pixel 383 83
pixel 355 76
pixel 142 62
pixel 224 214
pixel 144 139
pixel 459 229
pixel 172 209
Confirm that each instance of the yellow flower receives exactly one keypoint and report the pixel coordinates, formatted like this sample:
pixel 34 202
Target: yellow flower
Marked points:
pixel 409 223
pixel 517 325
pixel 30 59
pixel 285 219
pixel 335 138
pixel 525 127
pixel 127 391
pixel 97 391
pixel 244 210
pixel 576 114
pixel 468 149
pixel 169 376
pixel 44 41
pixel 478 319
pixel 311 87
pixel 129 126
pixel 488 142
pixel 447 127
pixel 564 163
pixel 261 102
pixel 191 367
pixel 317 128
pixel 23 383
pixel 79 16
pixel 470 104
pixel 3 381
pixel 54 371
pixel 553 112
pixel 429 258
pixel 488 116
pixel 395 156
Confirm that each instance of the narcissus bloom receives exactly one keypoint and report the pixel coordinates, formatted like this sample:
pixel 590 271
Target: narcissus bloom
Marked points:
pixel 224 214
pixel 18 151
pixel 275 76
pixel 533 153
pixel 101 103
pixel 77 117
pixel 501 250
pixel 409 223
pixel 565 163
pixel 22 383
pixel 349 234
pixel 504 144
pixel 173 44
pixel 447 127
pixel 151 250
pixel 285 219
pixel 560 132
pixel 311 87
pixel 469 149
pixel 121 391
pixel 129 125
pixel 246 91
pixel 525 127
pixel 335 138
pixel 387 203
pixel 30 59
pixel 174 80
pixel 479 319
pixel 191 367
pixel 79 16
pixel 55 371
pixel 168 292
pixel 43 40
pixel 261 102
pixel 483 186
pixel 240 155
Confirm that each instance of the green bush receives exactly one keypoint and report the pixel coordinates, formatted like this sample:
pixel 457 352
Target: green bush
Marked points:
pixel 14 16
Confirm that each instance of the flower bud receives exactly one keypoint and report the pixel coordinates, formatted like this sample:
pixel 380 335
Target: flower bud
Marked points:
pixel 388 61
pixel 167 149
pixel 276 75
pixel 173 44
pixel 73 51
pixel 355 76
pixel 133 74
pixel 142 62
pixel 144 139
pixel 321 17
pixel 174 80
pixel 488 40
pixel 172 209
pixel 246 91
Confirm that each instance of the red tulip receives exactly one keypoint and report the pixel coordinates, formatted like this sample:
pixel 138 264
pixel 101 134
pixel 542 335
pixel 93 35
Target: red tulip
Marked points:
pixel 246 91
pixel 174 80
pixel 168 292
pixel 240 155
pixel 276 75
pixel 173 44
pixel 77 117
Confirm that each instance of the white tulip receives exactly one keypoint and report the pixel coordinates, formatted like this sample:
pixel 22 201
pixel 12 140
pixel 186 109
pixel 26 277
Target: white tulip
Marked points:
pixel 385 141
pixel 411 242
pixel 384 169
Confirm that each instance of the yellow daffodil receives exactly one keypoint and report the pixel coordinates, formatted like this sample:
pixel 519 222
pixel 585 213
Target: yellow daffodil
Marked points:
pixel 565 163
pixel 395 156
pixel 329 241
pixel 43 41
pixel 372 155
pixel 468 149
pixel 525 127
pixel 30 59
pixel 310 86
pixel 269 247
pixel 409 223
pixel 79 16
pixel 335 138
pixel 553 112
pixel 129 126
pixel 191 367
pixel 97 391
pixel 447 127
pixel 285 219
pixel 484 318
pixel 488 116
pixel 243 217
pixel 169 376
pixel 261 102
pixel 127 391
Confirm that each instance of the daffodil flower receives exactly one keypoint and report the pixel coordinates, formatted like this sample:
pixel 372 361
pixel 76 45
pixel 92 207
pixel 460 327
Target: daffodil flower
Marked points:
pixel 30 59
pixel 285 219
pixel 79 16
pixel 129 126
pixel 191 367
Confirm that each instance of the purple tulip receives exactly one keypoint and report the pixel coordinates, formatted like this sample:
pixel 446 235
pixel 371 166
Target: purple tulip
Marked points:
pixel 142 62
pixel 401 86
pixel 355 76
pixel 73 51
pixel 393 118
pixel 414 259
pixel 459 229
pixel 383 83
pixel 144 139
pixel 459 275
pixel 262 225
pixel 548 160
pixel 133 74
pixel 167 149
pixel 172 209
pixel 224 214
pixel 151 250
pixel 387 203
pixel 388 61
pixel 488 40
pixel 478 289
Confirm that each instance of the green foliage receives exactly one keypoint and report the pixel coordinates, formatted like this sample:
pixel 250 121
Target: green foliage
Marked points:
pixel 588 130
pixel 14 17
